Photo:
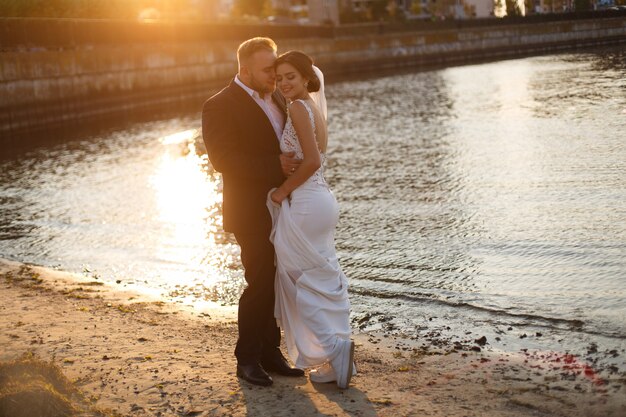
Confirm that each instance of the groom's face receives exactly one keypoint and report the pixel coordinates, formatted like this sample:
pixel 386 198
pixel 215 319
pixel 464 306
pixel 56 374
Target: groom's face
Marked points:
pixel 261 72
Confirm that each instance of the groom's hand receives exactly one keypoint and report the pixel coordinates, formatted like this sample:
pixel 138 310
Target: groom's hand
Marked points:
pixel 288 163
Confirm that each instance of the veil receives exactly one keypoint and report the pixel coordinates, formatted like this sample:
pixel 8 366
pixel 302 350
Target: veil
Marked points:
pixel 318 96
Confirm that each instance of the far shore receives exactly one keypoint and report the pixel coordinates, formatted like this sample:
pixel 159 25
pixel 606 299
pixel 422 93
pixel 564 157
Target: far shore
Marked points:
pixel 145 357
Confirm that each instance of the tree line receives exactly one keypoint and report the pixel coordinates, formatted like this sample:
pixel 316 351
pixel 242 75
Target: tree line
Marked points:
pixel 376 10
pixel 99 9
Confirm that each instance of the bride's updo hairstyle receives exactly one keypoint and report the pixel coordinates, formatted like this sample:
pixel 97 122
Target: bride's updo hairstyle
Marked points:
pixel 303 64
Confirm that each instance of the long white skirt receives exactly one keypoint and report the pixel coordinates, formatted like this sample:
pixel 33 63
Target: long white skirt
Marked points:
pixel 312 305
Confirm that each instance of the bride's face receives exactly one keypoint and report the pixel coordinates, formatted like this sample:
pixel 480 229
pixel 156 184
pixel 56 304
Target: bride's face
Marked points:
pixel 290 82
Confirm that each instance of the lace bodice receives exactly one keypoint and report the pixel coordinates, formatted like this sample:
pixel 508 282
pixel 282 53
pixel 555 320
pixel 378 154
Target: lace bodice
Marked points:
pixel 289 143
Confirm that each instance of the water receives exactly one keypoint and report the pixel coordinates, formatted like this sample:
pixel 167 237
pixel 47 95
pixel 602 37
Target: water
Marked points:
pixel 477 200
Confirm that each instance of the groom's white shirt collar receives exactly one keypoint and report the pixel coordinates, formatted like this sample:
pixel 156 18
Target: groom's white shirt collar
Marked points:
pixel 250 91
pixel 276 117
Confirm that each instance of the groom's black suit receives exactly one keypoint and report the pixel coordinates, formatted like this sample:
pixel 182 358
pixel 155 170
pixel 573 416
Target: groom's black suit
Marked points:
pixel 242 145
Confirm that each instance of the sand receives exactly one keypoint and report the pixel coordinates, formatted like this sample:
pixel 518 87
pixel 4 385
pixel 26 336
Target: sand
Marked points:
pixel 143 357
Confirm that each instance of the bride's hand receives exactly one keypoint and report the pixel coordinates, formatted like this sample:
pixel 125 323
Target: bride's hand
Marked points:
pixel 289 163
pixel 278 196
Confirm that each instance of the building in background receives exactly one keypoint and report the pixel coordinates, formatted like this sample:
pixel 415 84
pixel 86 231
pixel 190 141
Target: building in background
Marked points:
pixel 213 9
pixel 553 6
pixel 314 12
pixel 318 12
pixel 323 11
pixel 400 10
pixel 479 8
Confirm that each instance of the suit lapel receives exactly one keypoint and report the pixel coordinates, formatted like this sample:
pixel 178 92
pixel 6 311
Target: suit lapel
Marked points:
pixel 252 111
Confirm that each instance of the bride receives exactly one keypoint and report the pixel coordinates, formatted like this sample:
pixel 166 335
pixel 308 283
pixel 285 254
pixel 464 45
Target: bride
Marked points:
pixel 312 305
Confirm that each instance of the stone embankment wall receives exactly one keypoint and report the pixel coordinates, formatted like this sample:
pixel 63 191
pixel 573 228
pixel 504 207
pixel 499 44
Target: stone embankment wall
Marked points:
pixel 57 74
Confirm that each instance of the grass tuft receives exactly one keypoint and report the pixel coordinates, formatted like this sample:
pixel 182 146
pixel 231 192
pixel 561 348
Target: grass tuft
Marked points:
pixel 30 387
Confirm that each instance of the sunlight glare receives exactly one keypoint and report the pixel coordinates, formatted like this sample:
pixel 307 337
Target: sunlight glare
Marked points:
pixel 179 137
pixel 188 201
pixel 149 15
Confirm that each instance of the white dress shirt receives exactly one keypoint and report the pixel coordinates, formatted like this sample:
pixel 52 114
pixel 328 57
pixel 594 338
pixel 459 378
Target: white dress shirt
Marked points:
pixel 270 108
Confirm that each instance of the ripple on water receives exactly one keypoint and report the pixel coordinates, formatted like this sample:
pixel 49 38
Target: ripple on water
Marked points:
pixel 486 194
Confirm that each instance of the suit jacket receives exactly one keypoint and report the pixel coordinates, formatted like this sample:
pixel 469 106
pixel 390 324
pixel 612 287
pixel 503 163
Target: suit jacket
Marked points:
pixel 242 146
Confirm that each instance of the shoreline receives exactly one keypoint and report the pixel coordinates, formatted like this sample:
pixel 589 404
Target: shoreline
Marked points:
pixel 141 356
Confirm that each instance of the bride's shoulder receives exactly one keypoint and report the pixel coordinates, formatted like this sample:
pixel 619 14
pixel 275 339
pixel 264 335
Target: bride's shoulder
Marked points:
pixel 297 104
pixel 298 108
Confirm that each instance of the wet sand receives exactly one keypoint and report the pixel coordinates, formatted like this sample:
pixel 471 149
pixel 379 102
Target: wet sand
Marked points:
pixel 142 357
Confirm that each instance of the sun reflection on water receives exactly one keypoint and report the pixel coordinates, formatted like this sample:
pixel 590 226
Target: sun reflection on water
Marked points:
pixel 198 263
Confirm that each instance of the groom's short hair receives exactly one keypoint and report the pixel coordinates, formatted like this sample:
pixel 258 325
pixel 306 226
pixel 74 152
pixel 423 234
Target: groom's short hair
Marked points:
pixel 249 47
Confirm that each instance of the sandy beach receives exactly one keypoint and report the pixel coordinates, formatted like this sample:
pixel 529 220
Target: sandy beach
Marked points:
pixel 142 357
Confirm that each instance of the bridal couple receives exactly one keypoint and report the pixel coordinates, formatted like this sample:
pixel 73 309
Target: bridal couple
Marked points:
pixel 270 147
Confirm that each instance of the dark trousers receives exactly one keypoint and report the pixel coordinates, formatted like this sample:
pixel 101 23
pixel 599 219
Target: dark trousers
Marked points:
pixel 258 333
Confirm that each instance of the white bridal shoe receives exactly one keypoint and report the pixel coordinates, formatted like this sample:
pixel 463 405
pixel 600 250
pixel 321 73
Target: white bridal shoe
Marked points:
pixel 343 363
pixel 325 374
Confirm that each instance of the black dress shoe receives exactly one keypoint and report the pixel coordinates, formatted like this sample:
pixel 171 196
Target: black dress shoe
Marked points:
pixel 276 362
pixel 254 374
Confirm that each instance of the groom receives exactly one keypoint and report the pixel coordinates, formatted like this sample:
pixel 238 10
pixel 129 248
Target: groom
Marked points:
pixel 241 127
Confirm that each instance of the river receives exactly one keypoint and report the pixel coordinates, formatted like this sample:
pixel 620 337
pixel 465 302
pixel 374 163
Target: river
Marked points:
pixel 484 199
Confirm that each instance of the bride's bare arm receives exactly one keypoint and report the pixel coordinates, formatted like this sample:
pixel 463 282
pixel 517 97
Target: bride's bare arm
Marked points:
pixel 311 161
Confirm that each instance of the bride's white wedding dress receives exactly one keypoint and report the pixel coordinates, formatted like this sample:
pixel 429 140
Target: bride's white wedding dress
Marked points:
pixel 312 305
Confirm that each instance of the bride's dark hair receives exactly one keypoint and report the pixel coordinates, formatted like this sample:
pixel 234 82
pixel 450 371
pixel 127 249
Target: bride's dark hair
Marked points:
pixel 303 64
